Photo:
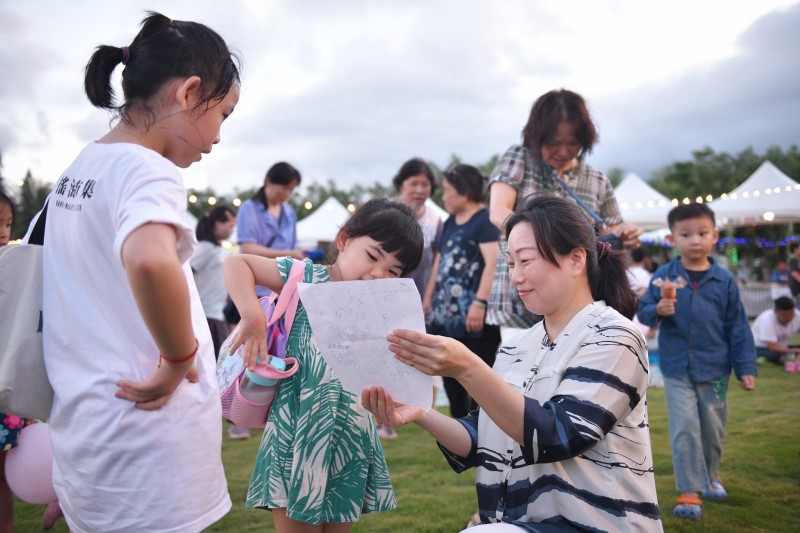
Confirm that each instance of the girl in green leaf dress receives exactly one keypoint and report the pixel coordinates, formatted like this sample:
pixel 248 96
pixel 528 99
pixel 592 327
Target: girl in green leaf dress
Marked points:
pixel 320 461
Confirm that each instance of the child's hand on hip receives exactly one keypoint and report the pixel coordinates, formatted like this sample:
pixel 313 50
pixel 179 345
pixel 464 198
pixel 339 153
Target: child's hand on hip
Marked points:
pixel 154 393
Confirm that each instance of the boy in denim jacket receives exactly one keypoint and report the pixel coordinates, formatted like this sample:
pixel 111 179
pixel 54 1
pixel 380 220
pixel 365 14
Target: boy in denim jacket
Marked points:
pixel 703 334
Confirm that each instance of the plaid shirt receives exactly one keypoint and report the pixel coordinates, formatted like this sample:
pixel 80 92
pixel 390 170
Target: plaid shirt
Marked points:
pixel 518 168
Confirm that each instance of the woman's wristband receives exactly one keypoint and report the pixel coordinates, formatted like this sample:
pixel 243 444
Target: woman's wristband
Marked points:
pixel 181 359
pixel 477 302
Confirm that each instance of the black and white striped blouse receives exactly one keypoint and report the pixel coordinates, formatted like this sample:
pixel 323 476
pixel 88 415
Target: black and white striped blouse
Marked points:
pixel 586 461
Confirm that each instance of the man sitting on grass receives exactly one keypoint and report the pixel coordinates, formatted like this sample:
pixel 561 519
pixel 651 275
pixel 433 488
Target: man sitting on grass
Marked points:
pixel 772 331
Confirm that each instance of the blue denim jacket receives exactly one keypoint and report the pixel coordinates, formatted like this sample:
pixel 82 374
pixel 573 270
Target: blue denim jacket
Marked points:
pixel 709 333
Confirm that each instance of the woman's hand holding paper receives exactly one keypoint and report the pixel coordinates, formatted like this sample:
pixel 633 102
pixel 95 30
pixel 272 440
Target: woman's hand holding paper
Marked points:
pixel 432 354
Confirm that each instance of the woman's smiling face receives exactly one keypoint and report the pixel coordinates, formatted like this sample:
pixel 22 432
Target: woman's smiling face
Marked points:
pixel 540 283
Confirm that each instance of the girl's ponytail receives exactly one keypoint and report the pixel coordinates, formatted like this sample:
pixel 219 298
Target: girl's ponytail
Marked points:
pixel 163 50
pixel 97 80
pixel 205 229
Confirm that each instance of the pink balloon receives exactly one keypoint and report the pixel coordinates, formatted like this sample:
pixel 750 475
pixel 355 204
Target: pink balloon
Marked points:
pixel 29 466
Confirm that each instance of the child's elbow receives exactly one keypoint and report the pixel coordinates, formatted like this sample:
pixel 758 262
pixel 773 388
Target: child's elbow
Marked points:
pixel 231 264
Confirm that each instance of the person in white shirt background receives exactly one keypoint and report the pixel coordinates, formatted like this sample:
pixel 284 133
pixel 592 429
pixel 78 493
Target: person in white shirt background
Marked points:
pixel 212 228
pixel 638 275
pixel 772 332
pixel 206 262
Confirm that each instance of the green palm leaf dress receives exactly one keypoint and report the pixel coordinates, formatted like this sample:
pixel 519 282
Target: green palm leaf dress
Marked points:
pixel 320 456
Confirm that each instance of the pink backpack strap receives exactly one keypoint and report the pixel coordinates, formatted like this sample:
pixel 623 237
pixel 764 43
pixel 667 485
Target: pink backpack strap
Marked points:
pixel 289 298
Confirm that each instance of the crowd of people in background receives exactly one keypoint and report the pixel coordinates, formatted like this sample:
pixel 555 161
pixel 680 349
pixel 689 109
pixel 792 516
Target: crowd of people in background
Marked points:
pixel 537 298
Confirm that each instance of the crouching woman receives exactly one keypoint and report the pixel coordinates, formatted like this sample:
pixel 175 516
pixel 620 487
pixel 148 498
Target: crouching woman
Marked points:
pixel 560 439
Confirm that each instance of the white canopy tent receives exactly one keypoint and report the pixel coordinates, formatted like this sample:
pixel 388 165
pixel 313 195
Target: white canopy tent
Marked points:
pixel 641 204
pixel 768 196
pixel 323 224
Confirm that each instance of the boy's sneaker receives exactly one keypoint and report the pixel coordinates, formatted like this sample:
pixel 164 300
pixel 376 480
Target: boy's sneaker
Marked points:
pixel 237 433
pixel 717 491
pixel 689 506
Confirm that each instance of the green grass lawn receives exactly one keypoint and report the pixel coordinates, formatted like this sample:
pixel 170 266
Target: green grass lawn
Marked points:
pixel 761 471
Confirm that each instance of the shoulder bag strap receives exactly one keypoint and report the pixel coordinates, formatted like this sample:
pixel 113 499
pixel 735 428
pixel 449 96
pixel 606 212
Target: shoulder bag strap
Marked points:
pixel 598 220
pixel 37 233
pixel 289 298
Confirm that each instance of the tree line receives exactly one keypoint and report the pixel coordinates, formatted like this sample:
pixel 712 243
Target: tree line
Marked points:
pixel 708 172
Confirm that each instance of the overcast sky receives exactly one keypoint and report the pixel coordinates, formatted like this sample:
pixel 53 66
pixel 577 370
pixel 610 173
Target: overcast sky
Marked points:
pixel 349 90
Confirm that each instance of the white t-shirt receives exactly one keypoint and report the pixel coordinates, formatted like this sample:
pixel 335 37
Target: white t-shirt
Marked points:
pixel 206 263
pixel 766 328
pixel 118 468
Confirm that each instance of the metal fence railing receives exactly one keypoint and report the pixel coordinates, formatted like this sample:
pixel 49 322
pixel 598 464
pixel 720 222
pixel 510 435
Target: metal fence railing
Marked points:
pixel 756 297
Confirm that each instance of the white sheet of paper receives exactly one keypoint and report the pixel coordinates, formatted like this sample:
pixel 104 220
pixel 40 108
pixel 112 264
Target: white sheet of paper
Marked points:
pixel 350 321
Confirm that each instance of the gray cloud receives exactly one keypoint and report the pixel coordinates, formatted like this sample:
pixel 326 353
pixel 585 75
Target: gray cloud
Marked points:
pixel 750 99
pixel 427 86
pixel 349 90
pixel 23 62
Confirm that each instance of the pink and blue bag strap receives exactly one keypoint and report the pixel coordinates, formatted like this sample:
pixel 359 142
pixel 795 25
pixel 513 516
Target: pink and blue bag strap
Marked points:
pixel 286 306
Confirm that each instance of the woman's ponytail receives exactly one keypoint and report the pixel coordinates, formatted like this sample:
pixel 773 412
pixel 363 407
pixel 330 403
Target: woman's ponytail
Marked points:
pixel 163 50
pixel 610 281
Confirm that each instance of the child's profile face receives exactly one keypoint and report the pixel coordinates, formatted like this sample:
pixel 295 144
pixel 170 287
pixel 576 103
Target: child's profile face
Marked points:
pixel 363 258
pixel 197 133
pixel 695 238
pixel 6 220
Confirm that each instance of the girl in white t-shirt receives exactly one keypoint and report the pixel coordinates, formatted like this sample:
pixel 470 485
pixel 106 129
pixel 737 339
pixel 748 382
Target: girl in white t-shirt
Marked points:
pixel 136 418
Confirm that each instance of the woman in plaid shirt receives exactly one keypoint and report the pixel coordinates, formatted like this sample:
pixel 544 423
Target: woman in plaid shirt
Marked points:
pixel 557 137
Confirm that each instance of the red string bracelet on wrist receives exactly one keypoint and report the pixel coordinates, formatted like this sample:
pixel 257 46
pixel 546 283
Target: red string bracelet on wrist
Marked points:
pixel 182 359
